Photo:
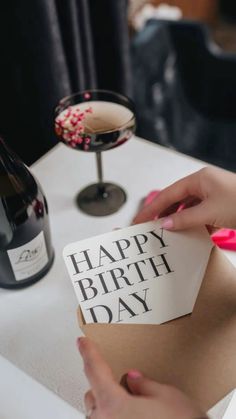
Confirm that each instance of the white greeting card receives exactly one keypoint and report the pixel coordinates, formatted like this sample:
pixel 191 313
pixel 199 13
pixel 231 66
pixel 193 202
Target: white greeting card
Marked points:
pixel 139 274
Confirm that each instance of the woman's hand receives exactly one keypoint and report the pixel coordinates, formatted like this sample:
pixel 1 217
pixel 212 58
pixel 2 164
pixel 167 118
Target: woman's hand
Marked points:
pixel 208 197
pixel 149 400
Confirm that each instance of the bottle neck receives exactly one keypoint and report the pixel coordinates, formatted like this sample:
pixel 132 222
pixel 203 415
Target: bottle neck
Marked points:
pixel 14 175
pixel 4 150
pixel 18 190
pixel 6 230
pixel 9 181
pixel 6 158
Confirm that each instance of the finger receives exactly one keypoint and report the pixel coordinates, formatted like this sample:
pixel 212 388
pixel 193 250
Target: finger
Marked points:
pixel 175 193
pixel 90 403
pixel 123 383
pixel 170 210
pixel 140 385
pixel 187 218
pixel 97 371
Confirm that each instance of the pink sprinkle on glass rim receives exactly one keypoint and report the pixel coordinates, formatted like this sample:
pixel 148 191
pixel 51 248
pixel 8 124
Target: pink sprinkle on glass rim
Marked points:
pixel 68 113
pixel 73 121
pixel 70 127
pixel 58 123
pixel 79 129
pixel 87 95
pixel 58 130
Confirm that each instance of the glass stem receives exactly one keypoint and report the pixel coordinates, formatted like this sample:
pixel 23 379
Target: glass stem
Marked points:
pixel 101 187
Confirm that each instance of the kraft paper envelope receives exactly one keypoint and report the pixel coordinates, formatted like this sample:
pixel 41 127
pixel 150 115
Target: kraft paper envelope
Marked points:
pixel 196 353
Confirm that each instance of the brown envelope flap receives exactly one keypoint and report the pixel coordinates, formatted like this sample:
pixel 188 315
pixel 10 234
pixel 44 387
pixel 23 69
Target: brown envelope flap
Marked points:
pixel 197 353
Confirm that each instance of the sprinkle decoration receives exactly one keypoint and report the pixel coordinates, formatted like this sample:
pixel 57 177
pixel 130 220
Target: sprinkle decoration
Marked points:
pixel 87 95
pixel 69 126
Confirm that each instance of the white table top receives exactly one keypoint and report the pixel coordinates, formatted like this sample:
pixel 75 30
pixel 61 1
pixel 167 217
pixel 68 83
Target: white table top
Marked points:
pixel 31 399
pixel 38 324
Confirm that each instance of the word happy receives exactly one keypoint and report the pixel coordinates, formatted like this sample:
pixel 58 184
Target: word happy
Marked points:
pixel 121 268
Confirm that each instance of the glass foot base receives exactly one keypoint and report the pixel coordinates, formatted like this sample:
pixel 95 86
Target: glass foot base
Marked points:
pixel 99 202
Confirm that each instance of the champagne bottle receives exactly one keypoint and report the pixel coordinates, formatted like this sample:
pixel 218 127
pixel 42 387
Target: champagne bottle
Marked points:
pixel 26 252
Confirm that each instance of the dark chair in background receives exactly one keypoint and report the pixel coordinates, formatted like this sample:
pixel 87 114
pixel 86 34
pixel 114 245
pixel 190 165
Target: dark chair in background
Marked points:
pixel 185 91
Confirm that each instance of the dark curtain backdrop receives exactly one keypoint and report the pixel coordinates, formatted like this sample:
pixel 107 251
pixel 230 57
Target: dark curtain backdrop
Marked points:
pixel 228 9
pixel 49 49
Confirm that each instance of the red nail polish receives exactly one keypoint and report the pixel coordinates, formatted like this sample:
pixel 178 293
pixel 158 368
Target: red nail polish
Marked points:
pixel 134 374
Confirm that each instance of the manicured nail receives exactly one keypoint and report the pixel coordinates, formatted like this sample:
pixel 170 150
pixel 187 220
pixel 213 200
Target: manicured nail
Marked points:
pixel 167 223
pixel 89 411
pixel 134 374
pixel 79 342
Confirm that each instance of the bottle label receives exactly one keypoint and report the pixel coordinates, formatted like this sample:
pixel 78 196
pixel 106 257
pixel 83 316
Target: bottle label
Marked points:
pixel 29 259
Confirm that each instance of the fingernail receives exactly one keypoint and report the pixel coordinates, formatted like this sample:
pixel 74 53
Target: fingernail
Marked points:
pixel 124 384
pixel 134 374
pixel 167 223
pixel 89 411
pixel 79 343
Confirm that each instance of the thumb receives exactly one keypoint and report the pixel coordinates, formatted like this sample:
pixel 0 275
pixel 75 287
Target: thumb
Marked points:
pixel 140 385
pixel 190 217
